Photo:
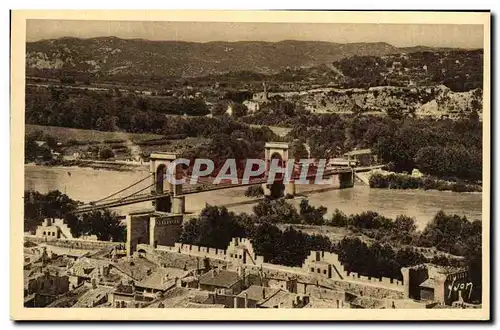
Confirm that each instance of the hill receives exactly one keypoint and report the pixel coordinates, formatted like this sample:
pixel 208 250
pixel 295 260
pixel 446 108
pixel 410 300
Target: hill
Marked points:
pixel 111 56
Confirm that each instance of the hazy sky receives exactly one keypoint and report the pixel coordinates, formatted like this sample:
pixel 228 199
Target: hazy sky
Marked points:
pixel 463 36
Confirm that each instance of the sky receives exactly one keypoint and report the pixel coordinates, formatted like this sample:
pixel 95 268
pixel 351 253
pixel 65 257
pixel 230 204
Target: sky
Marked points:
pixel 399 35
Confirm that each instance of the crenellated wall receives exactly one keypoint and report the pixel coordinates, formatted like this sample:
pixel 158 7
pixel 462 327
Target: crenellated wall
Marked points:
pixel 327 265
pixel 240 252
pixel 74 243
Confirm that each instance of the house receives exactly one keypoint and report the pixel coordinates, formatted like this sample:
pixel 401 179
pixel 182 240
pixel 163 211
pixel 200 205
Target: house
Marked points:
pixel 160 280
pixel 256 294
pixel 363 157
pixel 90 269
pixel 93 297
pixel 126 296
pixel 223 281
pixel 360 302
pixel 284 299
pixel 41 288
pixel 252 106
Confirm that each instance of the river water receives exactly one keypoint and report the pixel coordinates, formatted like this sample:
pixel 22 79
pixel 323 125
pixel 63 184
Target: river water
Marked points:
pixel 86 184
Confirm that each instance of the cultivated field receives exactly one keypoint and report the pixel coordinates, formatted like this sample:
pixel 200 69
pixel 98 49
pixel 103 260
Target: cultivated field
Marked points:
pixel 64 134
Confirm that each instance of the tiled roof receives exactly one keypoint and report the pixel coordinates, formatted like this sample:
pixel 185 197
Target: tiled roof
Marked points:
pixel 92 296
pixel 321 303
pixel 173 298
pixel 366 302
pixel 161 278
pixel 196 305
pixel 283 299
pixel 136 268
pixel 220 278
pixel 254 292
pixel 428 283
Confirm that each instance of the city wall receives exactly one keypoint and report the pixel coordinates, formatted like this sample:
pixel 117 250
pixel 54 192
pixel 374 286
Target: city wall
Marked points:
pixel 327 265
pixel 74 243
pixel 335 271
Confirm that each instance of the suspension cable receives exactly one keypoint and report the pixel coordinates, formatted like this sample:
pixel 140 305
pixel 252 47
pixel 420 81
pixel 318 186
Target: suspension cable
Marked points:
pixel 122 190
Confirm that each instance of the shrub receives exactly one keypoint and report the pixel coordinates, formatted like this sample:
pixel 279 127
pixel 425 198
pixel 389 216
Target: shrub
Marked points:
pixel 106 153
pixel 254 191
pixel 339 219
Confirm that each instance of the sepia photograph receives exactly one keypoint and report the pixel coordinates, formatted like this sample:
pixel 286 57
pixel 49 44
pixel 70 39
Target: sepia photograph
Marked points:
pixel 283 165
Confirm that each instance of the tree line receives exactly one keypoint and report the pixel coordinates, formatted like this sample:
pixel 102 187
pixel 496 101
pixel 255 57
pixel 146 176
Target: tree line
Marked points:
pixel 104 224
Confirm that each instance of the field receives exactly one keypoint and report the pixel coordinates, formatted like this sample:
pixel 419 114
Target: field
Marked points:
pixel 79 140
pixel 280 131
pixel 64 134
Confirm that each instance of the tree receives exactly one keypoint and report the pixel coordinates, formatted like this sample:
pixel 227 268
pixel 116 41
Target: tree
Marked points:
pixel 339 219
pixel 215 228
pixel 311 215
pixel 106 153
pixel 104 224
pixel 239 110
pixel 298 150
pixel 219 109
pixel 404 224
pixel 265 240
pixel 37 206
pixel 254 191
pixel 276 211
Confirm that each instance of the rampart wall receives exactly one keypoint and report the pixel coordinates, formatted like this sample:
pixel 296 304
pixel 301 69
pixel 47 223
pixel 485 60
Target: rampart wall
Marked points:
pixel 327 260
pixel 327 265
pixel 74 243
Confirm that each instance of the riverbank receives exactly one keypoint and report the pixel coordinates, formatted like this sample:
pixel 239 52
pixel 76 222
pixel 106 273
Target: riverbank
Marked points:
pixel 120 166
pixel 87 184
pixel 391 180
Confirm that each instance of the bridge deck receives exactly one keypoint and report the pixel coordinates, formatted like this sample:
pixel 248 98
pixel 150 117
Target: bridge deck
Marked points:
pixel 192 189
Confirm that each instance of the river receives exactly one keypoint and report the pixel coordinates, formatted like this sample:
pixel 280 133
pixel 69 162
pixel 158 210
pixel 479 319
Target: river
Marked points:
pixel 86 184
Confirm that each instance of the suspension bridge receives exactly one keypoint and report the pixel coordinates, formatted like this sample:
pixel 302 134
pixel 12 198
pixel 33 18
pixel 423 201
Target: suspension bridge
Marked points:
pixel 128 195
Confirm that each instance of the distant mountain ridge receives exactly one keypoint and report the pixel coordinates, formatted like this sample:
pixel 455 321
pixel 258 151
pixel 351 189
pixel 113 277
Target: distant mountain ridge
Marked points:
pixel 140 57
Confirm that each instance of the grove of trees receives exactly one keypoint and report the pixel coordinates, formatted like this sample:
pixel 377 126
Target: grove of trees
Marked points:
pixel 104 224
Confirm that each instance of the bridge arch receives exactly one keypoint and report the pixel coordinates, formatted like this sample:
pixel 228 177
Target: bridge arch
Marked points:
pixel 277 150
pixel 160 174
pixel 174 202
pixel 159 162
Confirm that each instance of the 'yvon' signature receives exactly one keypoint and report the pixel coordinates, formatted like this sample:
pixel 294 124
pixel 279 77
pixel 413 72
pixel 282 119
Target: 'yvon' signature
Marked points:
pixel 461 286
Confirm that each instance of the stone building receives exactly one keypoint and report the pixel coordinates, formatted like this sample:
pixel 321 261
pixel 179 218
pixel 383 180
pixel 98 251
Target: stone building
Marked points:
pixel 363 157
pixel 41 288
pixel 222 281
pixel 431 283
